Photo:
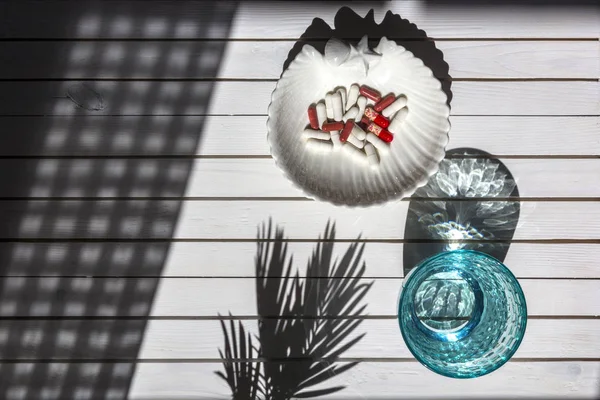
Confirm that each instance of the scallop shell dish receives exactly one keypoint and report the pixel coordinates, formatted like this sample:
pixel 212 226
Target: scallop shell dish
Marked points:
pixel 358 126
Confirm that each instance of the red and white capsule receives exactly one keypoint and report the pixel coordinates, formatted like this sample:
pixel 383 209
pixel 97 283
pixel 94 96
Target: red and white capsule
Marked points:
pixel 361 102
pixel 350 114
pixel 376 117
pixel 336 102
pixel 370 93
pixel 380 132
pixel 384 102
pixel 381 146
pixel 333 126
pixel 321 113
pixel 352 96
pixel 395 106
pixel 345 134
pixel 372 155
pixel 315 134
pixel 358 132
pixel 313 118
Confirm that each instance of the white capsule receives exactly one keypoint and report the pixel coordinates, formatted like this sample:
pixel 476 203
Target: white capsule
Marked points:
pixel 335 139
pixel 395 106
pixel 358 132
pixel 381 146
pixel 329 105
pixel 355 141
pixel 342 92
pixel 354 153
pixel 315 134
pixel 352 96
pixel 321 113
pixel 372 156
pixel 350 114
pixel 336 100
pixel 362 104
pixel 398 120
pixel 319 146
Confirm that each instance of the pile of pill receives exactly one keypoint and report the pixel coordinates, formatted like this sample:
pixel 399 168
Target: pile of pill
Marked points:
pixel 333 123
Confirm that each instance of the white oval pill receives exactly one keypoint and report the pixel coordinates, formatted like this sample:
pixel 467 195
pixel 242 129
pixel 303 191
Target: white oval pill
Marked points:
pixel 372 156
pixel 315 134
pixel 329 105
pixel 362 103
pixel 319 146
pixel 336 100
pixel 355 141
pixel 342 92
pixel 358 132
pixel 335 139
pixel 321 113
pixel 379 144
pixel 354 153
pixel 398 120
pixel 350 114
pixel 395 106
pixel 352 96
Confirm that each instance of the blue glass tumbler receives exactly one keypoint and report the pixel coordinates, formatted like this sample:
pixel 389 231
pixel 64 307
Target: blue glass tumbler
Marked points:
pixel 462 313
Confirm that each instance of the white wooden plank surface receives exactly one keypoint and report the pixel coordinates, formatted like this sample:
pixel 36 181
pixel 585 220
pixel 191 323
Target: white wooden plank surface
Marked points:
pixel 247 178
pixel 236 259
pixel 247 97
pixel 289 20
pixel 214 219
pixel 552 338
pixel 265 59
pixel 208 297
pixel 246 135
pixel 538 220
pixel 139 219
pixel 407 380
pixel 205 297
pixel 526 260
pixel 120 19
pixel 180 340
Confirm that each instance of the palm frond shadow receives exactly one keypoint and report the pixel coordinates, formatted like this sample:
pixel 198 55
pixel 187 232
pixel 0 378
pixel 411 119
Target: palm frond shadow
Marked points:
pixel 305 324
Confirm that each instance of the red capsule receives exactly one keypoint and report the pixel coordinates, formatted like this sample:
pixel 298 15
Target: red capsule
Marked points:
pixel 346 131
pixel 313 118
pixel 376 117
pixel 383 103
pixel 380 132
pixel 332 126
pixel 370 93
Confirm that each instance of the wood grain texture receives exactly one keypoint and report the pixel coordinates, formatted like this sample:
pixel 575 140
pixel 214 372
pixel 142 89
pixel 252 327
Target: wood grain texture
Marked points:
pixel 543 339
pixel 163 19
pixel 385 380
pixel 264 60
pixel 28 98
pixel 90 135
pixel 200 339
pixel 236 259
pixel 239 220
pixel 208 297
pixel 205 297
pixel 246 178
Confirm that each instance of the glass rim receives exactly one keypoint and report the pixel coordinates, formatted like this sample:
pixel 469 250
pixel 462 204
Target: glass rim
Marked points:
pixel 522 312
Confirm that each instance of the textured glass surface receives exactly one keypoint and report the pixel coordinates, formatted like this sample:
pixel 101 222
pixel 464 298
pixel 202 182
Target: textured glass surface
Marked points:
pixel 462 313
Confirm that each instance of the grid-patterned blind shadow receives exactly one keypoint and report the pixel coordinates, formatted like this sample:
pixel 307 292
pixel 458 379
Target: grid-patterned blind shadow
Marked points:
pixel 80 272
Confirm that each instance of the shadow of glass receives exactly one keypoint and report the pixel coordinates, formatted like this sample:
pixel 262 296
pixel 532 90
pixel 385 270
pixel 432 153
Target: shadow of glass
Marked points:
pixel 308 322
pixel 78 283
pixel 477 208
pixel 351 27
